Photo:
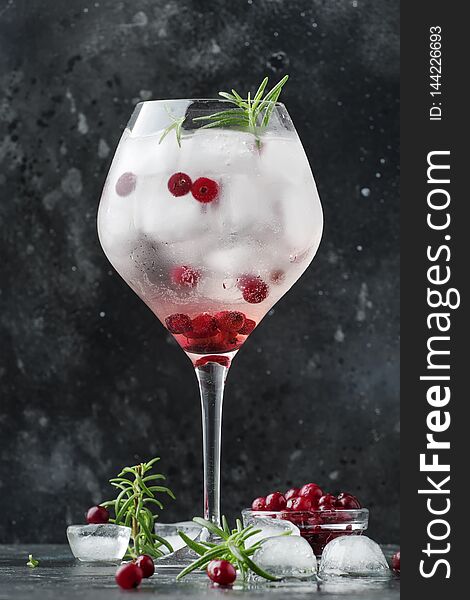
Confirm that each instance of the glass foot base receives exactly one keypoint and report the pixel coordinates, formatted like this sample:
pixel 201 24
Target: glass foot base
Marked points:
pixel 176 561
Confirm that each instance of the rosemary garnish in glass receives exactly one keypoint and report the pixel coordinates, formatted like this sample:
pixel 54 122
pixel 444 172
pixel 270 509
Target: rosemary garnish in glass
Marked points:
pixel 251 113
pixel 231 547
pixel 132 508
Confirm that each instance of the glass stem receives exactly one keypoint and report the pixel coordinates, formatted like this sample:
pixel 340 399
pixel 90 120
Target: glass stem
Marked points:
pixel 211 377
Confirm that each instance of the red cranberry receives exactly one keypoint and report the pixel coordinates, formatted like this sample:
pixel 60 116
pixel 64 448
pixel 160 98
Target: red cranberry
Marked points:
pixel 275 501
pixel 312 491
pixel 203 326
pixel 185 276
pixel 347 501
pixel 97 515
pixel 221 572
pixel 178 323
pixel 230 320
pixel 205 189
pixel 327 502
pixel 145 562
pixel 292 493
pixel 254 289
pixel 396 562
pixel 222 360
pixel 125 185
pixel 259 504
pixel 247 327
pixel 299 503
pixel 129 576
pixel 179 184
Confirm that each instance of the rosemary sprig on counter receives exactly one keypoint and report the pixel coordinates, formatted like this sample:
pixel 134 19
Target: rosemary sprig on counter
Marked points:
pixel 133 504
pixel 231 547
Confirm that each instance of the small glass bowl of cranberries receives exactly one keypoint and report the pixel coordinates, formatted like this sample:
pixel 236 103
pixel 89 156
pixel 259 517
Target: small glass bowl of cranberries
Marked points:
pixel 318 527
pixel 320 517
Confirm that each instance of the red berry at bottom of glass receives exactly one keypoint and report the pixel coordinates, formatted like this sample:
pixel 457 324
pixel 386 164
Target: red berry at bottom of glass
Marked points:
pixel 259 504
pixel 275 501
pixel 221 360
pixel 145 562
pixel 178 323
pixel 97 515
pixel 129 576
pixel 247 327
pixel 396 561
pixel 221 572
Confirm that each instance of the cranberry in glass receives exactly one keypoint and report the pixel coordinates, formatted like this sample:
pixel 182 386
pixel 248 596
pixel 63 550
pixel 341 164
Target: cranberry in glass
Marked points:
pixel 179 184
pixel 129 576
pixel 145 562
pixel 97 515
pixel 275 501
pixel 259 504
pixel 347 501
pixel 205 189
pixel 248 327
pixel 221 572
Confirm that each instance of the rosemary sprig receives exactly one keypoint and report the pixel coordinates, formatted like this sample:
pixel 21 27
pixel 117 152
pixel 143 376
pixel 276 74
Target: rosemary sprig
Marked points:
pixel 231 547
pixel 132 507
pixel 32 562
pixel 252 113
pixel 176 125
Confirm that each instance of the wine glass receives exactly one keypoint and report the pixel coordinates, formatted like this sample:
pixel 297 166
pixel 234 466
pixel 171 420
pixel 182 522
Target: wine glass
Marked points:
pixel 210 226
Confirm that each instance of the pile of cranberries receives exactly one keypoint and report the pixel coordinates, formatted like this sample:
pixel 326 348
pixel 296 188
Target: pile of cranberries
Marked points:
pixel 313 511
pixel 307 498
pixel 210 333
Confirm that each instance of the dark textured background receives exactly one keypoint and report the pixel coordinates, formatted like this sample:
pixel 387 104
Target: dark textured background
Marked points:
pixel 89 381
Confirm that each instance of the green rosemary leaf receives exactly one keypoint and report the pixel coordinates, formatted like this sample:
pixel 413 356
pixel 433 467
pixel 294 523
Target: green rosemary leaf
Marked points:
pixel 153 477
pixel 148 465
pixel 124 507
pixel 163 489
pixel 32 562
pixel 163 542
pixel 130 470
pixel 225 525
pixel 198 548
pixel 244 558
pixel 153 501
pixel 260 92
pixel 212 527
pixel 203 560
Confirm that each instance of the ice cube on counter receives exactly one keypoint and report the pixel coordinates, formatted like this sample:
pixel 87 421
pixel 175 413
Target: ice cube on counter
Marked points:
pixel 353 555
pixel 98 543
pixel 286 557
pixel 169 531
pixel 270 528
